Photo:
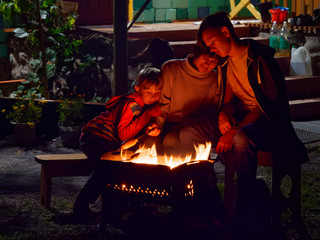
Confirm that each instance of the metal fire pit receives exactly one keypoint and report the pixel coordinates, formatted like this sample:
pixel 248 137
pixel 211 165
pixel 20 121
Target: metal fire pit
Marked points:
pixel 157 183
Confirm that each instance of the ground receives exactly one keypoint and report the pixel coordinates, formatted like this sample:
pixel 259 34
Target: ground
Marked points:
pixel 22 216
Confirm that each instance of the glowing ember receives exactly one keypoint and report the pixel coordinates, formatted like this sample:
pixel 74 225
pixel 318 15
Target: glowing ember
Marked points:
pixel 149 156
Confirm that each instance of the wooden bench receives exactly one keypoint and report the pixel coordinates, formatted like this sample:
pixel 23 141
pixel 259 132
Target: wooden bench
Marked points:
pixel 60 165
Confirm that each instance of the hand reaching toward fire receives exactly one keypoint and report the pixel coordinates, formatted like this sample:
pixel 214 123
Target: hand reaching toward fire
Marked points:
pixel 153 129
pixel 154 111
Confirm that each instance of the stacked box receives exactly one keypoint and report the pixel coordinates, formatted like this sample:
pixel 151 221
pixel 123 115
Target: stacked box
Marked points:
pixel 182 13
pixel 192 13
pixel 141 18
pixel 149 15
pixel 179 3
pixel 198 3
pixel 160 15
pixel 161 4
pixel 171 14
pixel 203 12
pixel 215 3
pixel 213 10
pixel 137 4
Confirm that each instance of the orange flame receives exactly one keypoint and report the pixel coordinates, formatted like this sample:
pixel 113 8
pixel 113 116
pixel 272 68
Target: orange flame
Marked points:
pixel 149 156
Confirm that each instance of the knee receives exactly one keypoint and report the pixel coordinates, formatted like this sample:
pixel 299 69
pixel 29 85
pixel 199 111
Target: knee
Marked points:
pixel 240 139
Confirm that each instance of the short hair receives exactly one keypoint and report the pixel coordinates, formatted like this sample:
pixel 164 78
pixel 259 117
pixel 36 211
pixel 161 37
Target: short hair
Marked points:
pixel 148 77
pixel 202 50
pixel 217 21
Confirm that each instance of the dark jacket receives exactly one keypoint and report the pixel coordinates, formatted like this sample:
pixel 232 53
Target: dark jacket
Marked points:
pixel 268 83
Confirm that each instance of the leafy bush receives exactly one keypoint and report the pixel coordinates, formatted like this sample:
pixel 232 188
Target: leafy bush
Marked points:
pixel 26 110
pixel 71 111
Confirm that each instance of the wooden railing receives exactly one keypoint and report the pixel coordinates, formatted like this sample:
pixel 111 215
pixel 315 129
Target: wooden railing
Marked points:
pixel 298 7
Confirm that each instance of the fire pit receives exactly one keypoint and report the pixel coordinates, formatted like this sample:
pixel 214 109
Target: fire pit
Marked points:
pixel 158 179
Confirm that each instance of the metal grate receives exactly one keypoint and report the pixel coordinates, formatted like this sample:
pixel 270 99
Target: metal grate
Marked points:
pixel 307 132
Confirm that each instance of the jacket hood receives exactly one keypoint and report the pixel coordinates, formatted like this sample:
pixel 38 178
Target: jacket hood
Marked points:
pixel 116 99
pixel 257 49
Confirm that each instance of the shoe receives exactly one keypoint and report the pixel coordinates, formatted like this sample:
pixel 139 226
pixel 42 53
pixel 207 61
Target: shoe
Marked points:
pixel 305 20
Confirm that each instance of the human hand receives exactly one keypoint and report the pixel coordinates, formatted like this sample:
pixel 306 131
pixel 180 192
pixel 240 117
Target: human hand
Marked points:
pixel 224 123
pixel 153 130
pixel 155 110
pixel 225 142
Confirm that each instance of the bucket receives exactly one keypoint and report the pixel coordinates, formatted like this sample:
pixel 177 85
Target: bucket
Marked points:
pixel 300 63
pixel 279 14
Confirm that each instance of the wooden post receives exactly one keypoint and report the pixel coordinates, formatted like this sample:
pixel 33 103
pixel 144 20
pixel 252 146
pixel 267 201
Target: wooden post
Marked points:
pixel 120 48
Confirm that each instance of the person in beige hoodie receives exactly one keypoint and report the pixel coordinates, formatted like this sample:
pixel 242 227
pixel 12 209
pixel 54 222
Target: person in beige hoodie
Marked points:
pixel 189 101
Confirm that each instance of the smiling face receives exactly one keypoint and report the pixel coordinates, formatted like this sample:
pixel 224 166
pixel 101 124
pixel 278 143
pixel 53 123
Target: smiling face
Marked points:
pixel 204 63
pixel 217 40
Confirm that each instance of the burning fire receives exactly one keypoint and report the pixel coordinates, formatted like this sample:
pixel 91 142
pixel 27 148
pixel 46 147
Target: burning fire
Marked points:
pixel 149 156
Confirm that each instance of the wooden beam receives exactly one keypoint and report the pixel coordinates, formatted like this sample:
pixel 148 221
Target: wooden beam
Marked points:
pixel 120 49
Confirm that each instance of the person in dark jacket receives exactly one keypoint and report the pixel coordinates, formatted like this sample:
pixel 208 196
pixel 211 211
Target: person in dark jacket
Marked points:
pixel 255 114
pixel 126 117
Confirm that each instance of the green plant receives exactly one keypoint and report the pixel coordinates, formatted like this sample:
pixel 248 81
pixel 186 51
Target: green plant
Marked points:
pixel 71 111
pixel 48 42
pixel 26 110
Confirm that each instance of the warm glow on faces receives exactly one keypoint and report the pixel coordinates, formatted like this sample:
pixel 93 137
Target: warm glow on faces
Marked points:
pixel 217 40
pixel 205 63
pixel 150 95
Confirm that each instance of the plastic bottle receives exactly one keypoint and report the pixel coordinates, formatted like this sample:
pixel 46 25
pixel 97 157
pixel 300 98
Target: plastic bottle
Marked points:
pixel 274 38
pixel 284 42
pixel 300 63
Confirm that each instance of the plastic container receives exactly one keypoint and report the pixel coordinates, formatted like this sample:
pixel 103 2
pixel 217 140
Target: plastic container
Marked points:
pixel 274 37
pixel 279 14
pixel 300 63
pixel 284 41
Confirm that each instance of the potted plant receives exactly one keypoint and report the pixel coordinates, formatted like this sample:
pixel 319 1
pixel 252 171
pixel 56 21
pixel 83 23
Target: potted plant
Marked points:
pixel 71 113
pixel 24 116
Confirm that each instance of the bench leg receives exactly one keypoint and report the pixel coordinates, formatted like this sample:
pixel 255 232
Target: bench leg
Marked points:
pixel 45 188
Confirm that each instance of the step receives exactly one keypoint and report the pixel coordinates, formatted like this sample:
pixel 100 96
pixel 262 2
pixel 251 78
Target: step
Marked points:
pixel 183 48
pixel 302 87
pixel 305 109
pixel 176 31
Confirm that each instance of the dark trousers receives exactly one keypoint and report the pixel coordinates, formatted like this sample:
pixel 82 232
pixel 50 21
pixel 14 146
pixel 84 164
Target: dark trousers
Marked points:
pixel 246 143
pixel 94 147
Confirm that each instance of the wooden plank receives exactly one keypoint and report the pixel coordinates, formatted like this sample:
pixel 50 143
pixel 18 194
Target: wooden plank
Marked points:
pixel 60 157
pixel 293 7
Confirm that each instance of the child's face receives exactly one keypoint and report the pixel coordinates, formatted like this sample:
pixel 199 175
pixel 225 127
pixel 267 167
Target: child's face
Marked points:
pixel 150 95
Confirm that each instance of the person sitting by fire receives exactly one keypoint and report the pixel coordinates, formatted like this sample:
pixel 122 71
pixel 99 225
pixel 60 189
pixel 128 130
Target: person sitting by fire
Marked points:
pixel 126 117
pixel 255 114
pixel 189 102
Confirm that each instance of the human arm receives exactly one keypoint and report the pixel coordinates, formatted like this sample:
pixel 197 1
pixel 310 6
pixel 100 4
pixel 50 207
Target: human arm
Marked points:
pixel 166 93
pixel 129 126
pixel 225 118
